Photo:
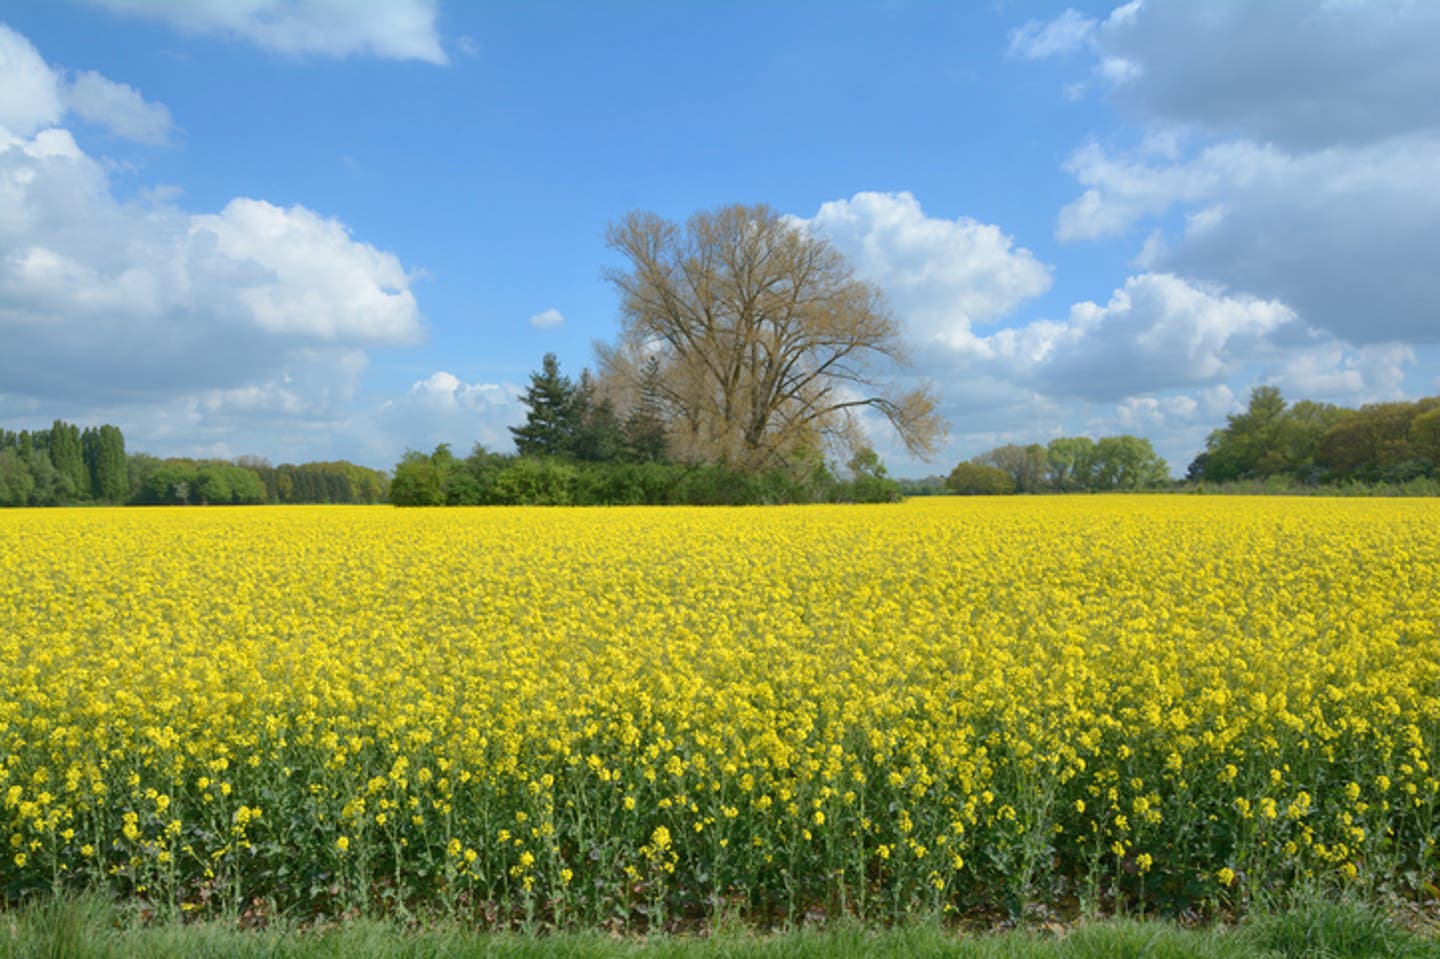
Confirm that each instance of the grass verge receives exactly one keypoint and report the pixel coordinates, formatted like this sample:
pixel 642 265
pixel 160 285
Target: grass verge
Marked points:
pixel 92 928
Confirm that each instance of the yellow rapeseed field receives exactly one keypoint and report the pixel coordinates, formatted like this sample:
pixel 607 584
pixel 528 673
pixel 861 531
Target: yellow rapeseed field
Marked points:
pixel 650 714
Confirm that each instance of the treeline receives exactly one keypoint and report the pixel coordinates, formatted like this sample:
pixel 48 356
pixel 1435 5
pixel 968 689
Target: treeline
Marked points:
pixel 578 447
pixel 249 480
pixel 63 464
pixel 66 465
pixel 1067 464
pixel 1319 444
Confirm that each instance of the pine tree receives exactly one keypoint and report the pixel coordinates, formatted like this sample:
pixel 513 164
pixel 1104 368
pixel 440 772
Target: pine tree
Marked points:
pixel 645 425
pixel 553 416
pixel 599 436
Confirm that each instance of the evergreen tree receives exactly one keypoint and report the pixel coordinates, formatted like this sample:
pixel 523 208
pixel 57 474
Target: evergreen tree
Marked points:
pixel 599 436
pixel 553 416
pixel 644 429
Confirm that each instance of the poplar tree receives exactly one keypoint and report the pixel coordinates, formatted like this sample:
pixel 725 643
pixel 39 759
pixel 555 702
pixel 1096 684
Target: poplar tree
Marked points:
pixel 67 455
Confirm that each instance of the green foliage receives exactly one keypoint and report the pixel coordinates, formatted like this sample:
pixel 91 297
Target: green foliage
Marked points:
pixel 644 431
pixel 1320 443
pixel 67 453
pixel 553 415
pixel 535 481
pixel 17 483
pixel 979 479
pixel 1067 464
pixel 171 484
pixel 597 435
pixel 105 461
pixel 1381 442
pixel 421 480
pixel 1025 465
pixel 870 482
pixel 1070 463
pixel 91 927
pixel 1127 463
pixel 336 481
pixel 491 479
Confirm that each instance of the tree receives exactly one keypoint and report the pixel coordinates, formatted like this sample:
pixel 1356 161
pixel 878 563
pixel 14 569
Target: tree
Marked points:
pixel 597 435
pixel 1026 465
pixel 1425 437
pixel 979 479
pixel 1236 451
pixel 644 427
pixel 553 414
pixel 16 482
pixel 105 462
pixel 869 480
pixel 767 342
pixel 1375 442
pixel 1128 463
pixel 67 454
pixel 1070 463
pixel 422 480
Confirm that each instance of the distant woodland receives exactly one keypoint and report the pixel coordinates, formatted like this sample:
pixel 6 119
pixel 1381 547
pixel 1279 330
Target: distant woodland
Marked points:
pixel 576 447
pixel 65 465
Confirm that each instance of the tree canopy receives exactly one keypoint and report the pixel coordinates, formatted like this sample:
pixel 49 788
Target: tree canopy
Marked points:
pixel 767 344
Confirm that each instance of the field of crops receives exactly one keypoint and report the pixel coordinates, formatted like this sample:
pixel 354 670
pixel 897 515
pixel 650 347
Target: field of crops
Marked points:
pixel 649 716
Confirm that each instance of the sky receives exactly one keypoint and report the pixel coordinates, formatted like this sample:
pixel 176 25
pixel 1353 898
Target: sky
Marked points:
pixel 324 229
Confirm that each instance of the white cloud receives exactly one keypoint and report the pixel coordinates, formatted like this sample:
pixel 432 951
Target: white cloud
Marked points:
pixel 1158 332
pixel 393 29
pixel 941 276
pixel 1038 39
pixel 30 94
pixel 189 327
pixel 317 282
pixel 119 108
pixel 547 320
pixel 442 408
pixel 1334 371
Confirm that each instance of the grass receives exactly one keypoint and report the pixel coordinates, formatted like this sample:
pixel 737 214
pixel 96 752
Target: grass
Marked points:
pixel 93 928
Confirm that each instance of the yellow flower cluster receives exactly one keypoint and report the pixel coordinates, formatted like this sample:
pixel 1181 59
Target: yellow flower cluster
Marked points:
pixel 577 714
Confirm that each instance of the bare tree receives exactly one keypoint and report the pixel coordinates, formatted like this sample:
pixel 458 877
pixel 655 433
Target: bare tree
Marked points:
pixel 768 343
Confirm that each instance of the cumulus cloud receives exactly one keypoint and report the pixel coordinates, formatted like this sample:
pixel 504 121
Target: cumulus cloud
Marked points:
pixel 442 408
pixel 941 276
pixel 30 96
pixel 163 318
pixel 1158 332
pixel 393 29
pixel 547 320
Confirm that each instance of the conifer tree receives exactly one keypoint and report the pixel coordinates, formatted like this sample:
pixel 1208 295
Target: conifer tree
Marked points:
pixel 644 426
pixel 554 413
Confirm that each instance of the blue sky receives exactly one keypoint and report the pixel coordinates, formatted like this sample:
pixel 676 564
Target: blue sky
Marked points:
pixel 313 229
